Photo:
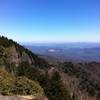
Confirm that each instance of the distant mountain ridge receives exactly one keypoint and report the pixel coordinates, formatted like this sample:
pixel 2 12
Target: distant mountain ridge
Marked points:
pixel 78 52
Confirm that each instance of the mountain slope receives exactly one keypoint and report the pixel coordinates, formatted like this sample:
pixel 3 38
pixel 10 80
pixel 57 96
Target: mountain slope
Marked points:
pixel 30 74
pixel 20 62
pixel 15 53
pixel 16 66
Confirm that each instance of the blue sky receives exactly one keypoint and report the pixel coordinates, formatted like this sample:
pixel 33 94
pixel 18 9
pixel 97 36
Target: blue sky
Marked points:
pixel 50 20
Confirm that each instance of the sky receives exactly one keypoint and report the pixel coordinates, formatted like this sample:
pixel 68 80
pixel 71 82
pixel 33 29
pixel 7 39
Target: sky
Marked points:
pixel 50 20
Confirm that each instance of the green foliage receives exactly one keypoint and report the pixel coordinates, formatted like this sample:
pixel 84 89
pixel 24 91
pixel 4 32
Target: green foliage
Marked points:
pixel 86 82
pixel 69 68
pixel 53 87
pixel 6 81
pixel 31 72
pixel 5 42
pixel 9 85
pixel 25 86
pixel 56 89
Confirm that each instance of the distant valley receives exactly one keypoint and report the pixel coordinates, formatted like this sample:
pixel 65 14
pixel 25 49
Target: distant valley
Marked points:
pixel 78 52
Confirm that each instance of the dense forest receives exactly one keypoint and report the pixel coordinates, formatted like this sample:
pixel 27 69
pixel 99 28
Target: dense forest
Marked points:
pixel 25 73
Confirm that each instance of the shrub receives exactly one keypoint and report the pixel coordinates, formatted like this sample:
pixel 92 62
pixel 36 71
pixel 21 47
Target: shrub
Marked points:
pixel 10 85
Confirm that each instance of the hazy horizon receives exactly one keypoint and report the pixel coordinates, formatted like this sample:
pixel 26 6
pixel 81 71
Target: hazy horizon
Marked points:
pixel 54 43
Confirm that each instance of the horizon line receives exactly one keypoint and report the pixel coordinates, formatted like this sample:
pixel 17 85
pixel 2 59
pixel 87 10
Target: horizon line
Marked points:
pixel 50 42
pixel 56 42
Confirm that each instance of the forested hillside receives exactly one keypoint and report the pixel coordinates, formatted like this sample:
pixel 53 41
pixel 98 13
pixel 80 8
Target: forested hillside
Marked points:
pixel 28 72
pixel 25 73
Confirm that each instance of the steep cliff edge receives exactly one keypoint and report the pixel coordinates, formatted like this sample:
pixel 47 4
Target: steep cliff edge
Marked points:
pixel 14 59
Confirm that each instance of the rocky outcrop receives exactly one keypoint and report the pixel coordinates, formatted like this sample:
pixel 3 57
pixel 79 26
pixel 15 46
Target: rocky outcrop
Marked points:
pixel 29 97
